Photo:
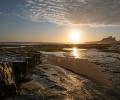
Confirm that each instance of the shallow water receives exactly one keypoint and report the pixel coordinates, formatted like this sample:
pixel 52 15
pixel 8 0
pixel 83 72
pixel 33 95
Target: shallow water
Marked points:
pixel 109 62
pixel 50 82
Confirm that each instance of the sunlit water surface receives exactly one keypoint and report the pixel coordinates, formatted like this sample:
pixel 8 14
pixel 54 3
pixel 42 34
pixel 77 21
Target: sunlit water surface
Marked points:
pixel 109 62
pixel 62 84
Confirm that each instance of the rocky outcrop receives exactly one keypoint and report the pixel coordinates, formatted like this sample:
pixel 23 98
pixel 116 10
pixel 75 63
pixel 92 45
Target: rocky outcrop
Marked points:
pixel 20 70
pixel 108 40
pixel 7 81
pixel 14 72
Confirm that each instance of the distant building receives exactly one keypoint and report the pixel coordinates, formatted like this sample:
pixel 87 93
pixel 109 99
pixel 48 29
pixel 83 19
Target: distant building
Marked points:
pixel 108 40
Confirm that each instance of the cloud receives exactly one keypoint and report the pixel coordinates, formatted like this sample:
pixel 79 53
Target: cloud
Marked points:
pixel 73 12
pixel 95 12
pixel 81 12
pixel 46 10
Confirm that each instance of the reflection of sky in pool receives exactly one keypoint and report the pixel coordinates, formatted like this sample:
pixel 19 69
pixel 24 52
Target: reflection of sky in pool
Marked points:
pixel 110 62
pixel 104 58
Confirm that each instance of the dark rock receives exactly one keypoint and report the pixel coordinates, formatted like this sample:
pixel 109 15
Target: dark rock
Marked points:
pixel 115 71
pixel 7 81
pixel 13 71
pixel 54 74
pixel 108 40
pixel 59 88
pixel 20 70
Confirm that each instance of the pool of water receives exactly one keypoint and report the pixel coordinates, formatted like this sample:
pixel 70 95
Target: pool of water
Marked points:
pixel 108 61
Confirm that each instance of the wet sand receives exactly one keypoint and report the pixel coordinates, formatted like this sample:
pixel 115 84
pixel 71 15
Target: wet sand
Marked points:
pixel 81 67
pixel 49 82
pixel 52 82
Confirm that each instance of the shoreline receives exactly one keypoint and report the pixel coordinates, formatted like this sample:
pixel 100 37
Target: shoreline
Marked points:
pixel 81 67
pixel 51 81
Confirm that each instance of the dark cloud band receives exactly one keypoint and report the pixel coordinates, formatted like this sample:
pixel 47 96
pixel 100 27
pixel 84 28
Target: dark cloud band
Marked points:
pixel 77 12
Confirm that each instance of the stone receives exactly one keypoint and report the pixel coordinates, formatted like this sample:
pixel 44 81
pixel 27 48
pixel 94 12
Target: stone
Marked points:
pixel 7 81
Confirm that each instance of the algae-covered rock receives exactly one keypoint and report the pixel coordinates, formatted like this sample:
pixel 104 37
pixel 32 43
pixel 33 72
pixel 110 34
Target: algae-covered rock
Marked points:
pixel 7 81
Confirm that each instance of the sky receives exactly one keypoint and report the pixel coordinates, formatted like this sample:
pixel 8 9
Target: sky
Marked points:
pixel 53 20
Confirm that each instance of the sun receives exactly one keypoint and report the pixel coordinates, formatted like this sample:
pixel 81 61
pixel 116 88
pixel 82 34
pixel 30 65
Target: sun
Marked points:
pixel 75 36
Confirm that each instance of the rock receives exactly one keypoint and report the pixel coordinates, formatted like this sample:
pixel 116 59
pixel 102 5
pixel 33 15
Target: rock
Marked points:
pixel 20 70
pixel 32 86
pixel 13 72
pixel 108 40
pixel 7 81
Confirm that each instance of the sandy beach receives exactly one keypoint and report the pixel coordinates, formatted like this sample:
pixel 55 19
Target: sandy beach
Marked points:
pixel 81 67
pixel 52 81
pixel 63 78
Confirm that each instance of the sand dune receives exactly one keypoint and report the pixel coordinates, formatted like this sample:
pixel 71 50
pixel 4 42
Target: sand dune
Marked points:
pixel 82 67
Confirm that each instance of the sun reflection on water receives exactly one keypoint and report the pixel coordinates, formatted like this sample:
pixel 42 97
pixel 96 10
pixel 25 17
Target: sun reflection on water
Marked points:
pixel 75 52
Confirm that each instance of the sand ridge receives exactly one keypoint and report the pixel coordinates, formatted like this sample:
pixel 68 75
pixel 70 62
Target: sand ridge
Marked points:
pixel 82 67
